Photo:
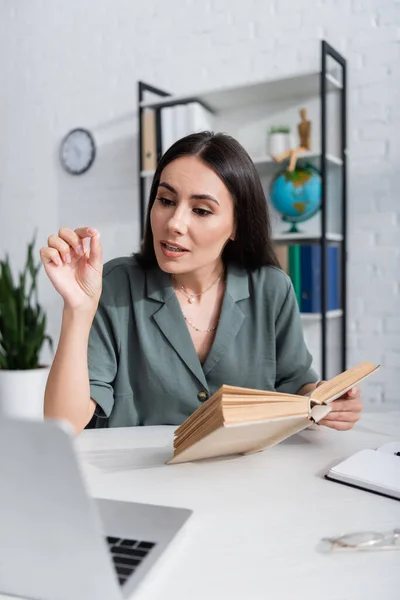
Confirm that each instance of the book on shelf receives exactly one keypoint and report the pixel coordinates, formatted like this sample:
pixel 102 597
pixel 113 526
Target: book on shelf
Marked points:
pixel 302 262
pixel 282 255
pixel 238 420
pixel 149 149
pixel 311 279
pixel 181 120
pixel 294 252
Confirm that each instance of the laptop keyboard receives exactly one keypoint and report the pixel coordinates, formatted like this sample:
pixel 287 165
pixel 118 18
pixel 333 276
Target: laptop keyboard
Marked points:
pixel 127 555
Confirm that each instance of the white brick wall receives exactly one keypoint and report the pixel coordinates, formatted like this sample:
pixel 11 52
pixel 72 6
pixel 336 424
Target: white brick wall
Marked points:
pixel 74 63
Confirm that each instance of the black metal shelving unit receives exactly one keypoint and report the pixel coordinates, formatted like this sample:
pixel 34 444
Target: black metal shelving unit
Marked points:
pixel 327 52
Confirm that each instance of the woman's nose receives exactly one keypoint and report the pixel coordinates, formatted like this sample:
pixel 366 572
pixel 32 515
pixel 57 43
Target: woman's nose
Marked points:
pixel 178 222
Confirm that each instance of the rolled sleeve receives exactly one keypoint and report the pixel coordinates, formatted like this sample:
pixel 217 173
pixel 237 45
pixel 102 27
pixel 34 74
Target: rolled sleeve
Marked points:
pixel 102 360
pixel 293 360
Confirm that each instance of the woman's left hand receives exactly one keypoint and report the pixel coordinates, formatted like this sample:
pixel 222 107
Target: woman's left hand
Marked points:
pixel 346 411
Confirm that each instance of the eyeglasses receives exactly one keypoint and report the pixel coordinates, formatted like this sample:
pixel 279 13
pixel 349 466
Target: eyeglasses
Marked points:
pixel 363 540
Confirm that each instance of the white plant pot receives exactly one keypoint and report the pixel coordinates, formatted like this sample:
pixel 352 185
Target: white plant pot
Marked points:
pixel 22 393
pixel 278 143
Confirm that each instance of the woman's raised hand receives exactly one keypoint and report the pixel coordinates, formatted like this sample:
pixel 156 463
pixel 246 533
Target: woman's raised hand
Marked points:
pixel 75 270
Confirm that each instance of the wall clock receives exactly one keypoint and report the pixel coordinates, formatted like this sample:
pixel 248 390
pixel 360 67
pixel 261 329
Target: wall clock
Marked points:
pixel 77 151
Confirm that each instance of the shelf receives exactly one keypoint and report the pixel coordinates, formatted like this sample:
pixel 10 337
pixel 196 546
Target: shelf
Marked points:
pixel 305 85
pixel 331 314
pixel 305 237
pixel 267 161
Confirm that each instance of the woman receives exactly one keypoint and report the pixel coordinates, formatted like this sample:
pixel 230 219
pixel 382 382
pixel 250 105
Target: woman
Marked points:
pixel 149 338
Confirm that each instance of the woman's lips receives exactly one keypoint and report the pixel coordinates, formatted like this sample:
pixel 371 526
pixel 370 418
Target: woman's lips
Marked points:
pixel 169 253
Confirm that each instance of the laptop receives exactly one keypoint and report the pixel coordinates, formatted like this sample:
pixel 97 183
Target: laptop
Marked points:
pixel 56 541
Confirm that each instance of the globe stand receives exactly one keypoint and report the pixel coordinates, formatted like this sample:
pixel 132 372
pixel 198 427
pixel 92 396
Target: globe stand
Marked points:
pixel 293 229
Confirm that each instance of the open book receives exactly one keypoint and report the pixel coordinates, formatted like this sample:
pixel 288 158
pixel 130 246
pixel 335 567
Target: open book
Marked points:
pixel 241 421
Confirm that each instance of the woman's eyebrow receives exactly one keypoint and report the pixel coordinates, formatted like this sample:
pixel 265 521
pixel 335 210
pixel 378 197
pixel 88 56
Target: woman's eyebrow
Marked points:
pixel 193 196
pixel 167 186
pixel 204 197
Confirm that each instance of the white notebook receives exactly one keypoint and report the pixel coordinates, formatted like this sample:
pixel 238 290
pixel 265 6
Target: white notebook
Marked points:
pixel 373 470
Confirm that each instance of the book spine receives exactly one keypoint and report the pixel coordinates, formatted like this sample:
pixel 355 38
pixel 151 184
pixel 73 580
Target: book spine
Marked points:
pixel 295 270
pixel 182 121
pixel 333 301
pixel 310 262
pixel 167 127
pixel 149 155
pixel 200 119
pixel 282 255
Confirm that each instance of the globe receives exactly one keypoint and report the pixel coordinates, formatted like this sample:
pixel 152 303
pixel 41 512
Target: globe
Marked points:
pixel 296 195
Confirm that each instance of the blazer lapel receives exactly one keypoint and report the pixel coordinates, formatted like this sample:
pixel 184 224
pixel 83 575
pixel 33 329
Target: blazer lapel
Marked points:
pixel 232 317
pixel 170 320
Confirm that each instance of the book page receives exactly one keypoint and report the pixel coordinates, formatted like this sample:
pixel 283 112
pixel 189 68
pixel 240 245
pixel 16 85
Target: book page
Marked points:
pixel 335 387
pixel 245 438
pixel 231 389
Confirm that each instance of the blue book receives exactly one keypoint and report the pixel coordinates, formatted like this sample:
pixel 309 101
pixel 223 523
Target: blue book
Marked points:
pixel 333 275
pixel 310 266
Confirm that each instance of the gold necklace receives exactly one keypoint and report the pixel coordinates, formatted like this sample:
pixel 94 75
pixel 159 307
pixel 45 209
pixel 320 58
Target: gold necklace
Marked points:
pixel 192 296
pixel 197 328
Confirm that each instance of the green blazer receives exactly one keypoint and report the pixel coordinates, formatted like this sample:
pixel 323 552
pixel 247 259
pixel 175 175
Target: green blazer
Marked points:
pixel 143 366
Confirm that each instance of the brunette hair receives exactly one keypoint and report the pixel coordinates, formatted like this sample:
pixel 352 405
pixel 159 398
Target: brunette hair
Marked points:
pixel 252 246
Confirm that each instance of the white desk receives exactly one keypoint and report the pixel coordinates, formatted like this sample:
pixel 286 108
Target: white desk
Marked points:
pixel 257 519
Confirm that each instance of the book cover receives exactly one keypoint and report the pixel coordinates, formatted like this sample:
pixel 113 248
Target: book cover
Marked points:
pixel 149 154
pixel 311 278
pixel 282 255
pixel 168 127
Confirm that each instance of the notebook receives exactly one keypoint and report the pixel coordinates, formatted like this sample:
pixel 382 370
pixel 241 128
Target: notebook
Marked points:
pixel 372 470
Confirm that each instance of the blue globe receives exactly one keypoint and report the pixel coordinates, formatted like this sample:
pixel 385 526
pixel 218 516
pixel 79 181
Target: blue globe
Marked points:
pixel 297 195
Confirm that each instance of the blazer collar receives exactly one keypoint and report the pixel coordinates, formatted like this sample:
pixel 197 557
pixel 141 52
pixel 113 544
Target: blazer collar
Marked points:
pixel 158 285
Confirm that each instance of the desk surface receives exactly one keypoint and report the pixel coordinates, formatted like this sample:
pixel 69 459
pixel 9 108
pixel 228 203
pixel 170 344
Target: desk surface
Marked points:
pixel 257 519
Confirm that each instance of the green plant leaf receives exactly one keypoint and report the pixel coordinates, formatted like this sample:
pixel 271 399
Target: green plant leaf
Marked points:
pixel 22 319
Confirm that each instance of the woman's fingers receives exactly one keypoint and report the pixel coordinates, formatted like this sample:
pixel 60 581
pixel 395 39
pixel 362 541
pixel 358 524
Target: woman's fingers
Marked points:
pixel 50 255
pixel 338 425
pixel 345 412
pixel 74 239
pixel 63 248
pixel 69 245
pixel 96 253
pixel 347 405
pixel 349 417
pixel 69 242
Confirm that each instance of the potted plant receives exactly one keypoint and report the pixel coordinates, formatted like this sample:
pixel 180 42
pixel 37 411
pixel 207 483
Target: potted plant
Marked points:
pixel 22 335
pixel 278 140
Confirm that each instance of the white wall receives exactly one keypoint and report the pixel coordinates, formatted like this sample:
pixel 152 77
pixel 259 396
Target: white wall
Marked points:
pixel 77 63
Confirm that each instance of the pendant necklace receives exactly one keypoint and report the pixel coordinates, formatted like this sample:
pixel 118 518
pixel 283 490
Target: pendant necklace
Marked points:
pixel 191 296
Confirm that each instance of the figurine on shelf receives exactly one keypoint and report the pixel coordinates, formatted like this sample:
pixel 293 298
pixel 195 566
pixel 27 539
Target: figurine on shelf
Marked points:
pixel 304 129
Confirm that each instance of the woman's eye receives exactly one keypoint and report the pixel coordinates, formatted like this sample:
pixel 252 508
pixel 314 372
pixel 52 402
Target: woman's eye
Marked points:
pixel 165 201
pixel 202 212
